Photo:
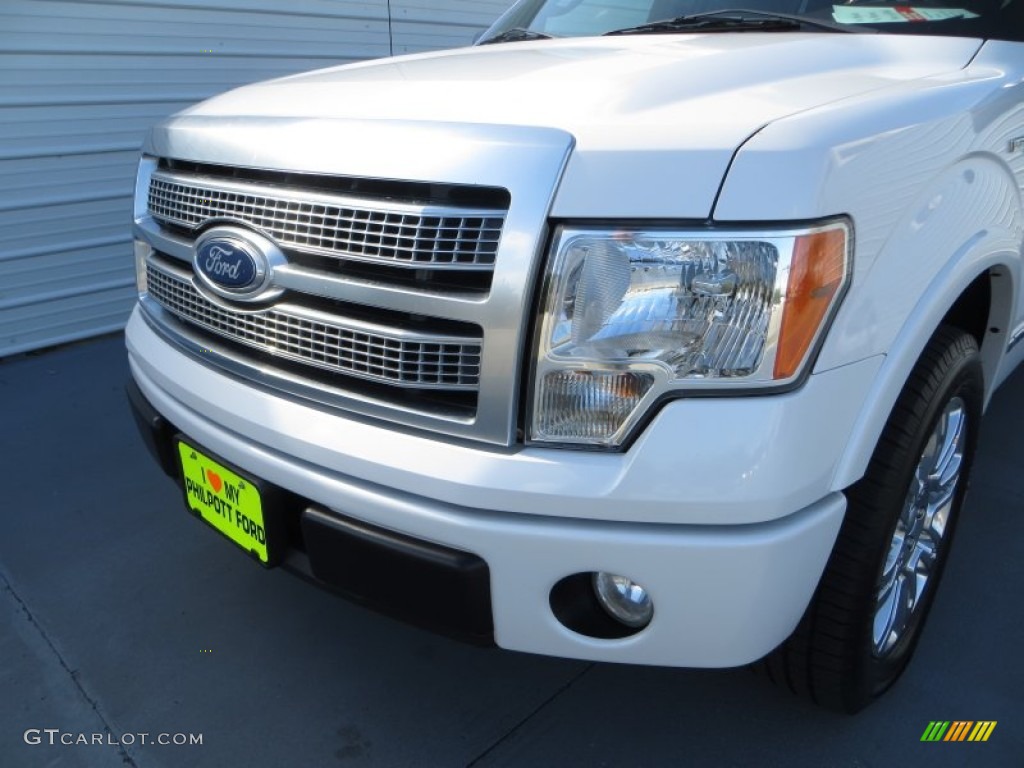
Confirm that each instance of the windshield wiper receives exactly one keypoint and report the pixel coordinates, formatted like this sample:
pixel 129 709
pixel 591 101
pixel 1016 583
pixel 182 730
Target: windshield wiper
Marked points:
pixel 736 20
pixel 515 35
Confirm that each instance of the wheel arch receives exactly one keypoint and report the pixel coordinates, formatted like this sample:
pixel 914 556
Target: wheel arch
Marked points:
pixel 975 293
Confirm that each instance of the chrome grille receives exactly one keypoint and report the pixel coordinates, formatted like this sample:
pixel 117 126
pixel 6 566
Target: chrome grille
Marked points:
pixel 427 237
pixel 327 341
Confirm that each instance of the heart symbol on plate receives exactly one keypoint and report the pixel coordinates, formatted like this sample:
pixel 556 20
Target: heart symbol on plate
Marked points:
pixel 215 480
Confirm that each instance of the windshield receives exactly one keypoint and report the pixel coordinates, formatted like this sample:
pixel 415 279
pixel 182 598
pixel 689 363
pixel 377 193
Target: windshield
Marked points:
pixel 536 19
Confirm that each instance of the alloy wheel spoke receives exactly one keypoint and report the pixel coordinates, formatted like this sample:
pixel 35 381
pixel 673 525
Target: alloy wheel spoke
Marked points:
pixel 905 600
pixel 950 453
pixel 893 562
pixel 893 613
pixel 885 615
pixel 935 517
pixel 926 549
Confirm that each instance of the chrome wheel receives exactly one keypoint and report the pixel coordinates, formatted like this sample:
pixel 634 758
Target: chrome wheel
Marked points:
pixel 912 555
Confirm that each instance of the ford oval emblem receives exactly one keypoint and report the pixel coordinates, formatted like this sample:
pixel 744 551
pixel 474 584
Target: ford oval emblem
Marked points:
pixel 227 263
pixel 237 263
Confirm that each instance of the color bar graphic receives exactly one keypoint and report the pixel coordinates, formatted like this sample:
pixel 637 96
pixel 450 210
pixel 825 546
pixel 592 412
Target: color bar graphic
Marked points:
pixel 958 730
pixel 935 731
pixel 982 730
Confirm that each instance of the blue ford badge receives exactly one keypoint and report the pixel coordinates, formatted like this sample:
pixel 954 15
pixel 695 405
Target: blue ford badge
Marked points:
pixel 227 263
pixel 237 263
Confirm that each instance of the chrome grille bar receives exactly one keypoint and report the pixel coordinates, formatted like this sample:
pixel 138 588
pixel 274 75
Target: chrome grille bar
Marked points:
pixel 327 341
pixel 396 234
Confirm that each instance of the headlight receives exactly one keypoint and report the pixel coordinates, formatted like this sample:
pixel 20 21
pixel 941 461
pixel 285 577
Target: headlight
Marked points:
pixel 628 316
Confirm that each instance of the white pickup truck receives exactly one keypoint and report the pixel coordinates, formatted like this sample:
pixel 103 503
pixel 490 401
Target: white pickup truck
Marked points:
pixel 654 332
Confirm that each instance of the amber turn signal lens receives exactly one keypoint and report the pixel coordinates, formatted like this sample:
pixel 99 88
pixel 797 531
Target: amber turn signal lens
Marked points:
pixel 816 274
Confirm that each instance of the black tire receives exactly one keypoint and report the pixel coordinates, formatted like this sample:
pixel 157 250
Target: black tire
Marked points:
pixel 838 656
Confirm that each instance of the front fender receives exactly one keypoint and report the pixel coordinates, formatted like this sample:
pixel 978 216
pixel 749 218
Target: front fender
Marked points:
pixel 967 222
pixel 923 171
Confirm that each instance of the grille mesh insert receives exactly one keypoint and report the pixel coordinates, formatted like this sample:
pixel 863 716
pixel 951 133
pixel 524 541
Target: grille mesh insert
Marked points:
pixel 408 360
pixel 435 238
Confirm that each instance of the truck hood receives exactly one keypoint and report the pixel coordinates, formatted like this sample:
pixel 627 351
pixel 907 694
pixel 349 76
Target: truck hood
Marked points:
pixel 652 113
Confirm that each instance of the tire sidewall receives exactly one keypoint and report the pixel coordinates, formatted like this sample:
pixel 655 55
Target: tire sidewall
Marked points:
pixel 964 379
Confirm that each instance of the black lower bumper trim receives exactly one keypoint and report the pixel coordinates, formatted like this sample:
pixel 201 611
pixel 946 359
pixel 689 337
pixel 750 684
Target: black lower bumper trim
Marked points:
pixel 157 433
pixel 438 588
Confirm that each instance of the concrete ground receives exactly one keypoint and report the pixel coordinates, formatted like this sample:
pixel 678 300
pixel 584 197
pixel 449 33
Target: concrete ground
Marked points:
pixel 120 615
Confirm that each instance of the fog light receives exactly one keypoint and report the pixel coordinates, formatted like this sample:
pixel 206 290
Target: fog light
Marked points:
pixel 623 599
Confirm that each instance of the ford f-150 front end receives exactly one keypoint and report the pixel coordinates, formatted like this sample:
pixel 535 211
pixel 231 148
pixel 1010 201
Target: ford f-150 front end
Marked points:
pixel 597 347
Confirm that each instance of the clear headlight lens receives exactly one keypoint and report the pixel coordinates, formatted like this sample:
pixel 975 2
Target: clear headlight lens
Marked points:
pixel 628 315
pixel 589 405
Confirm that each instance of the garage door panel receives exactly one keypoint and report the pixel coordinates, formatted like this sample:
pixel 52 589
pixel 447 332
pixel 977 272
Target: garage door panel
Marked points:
pixel 82 81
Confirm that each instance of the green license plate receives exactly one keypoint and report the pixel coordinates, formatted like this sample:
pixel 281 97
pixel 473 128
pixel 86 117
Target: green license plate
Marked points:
pixel 228 502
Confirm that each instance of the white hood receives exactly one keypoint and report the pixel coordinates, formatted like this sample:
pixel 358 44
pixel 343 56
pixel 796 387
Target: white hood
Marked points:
pixel 649 112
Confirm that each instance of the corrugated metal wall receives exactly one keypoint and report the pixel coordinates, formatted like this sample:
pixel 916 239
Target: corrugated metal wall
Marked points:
pixel 82 80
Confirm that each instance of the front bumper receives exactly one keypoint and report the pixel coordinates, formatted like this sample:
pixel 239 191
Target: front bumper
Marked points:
pixel 724 594
pixel 436 587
